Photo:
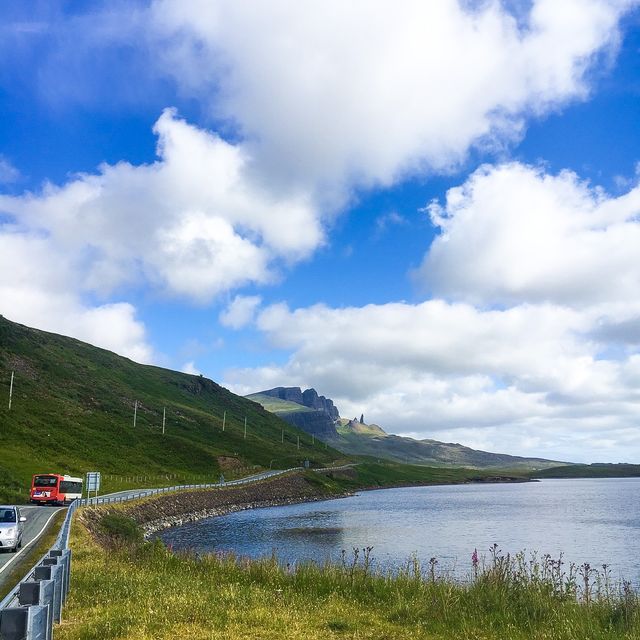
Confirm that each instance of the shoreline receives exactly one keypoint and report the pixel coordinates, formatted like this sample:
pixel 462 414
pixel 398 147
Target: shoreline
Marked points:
pixel 150 528
pixel 164 511
pixel 175 520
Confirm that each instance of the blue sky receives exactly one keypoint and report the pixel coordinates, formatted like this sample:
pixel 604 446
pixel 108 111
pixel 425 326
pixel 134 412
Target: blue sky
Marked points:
pixel 429 214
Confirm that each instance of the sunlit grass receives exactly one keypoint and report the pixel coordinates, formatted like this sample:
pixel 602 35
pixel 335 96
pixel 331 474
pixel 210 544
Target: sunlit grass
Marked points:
pixel 147 592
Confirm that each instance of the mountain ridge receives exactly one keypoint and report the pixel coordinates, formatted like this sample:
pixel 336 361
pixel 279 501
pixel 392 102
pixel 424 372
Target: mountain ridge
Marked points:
pixel 355 437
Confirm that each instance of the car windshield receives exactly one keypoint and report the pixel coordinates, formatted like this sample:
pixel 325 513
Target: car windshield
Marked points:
pixel 7 515
pixel 45 481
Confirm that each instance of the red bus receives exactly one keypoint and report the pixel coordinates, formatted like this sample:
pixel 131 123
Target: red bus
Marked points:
pixel 52 488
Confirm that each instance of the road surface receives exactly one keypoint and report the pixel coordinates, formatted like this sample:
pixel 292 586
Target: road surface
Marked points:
pixel 38 517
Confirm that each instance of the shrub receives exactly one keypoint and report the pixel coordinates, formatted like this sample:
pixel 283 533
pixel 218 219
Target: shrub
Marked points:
pixel 121 530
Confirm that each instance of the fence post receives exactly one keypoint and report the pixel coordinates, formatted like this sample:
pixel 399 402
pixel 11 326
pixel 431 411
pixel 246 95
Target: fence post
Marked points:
pixel 50 570
pixel 24 623
pixel 39 592
pixel 64 559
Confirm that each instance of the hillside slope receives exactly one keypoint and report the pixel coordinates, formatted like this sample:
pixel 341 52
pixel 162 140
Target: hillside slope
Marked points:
pixel 73 409
pixel 369 442
pixel 353 437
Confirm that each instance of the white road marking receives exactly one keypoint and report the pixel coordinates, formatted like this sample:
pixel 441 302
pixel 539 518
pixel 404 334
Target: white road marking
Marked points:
pixel 26 546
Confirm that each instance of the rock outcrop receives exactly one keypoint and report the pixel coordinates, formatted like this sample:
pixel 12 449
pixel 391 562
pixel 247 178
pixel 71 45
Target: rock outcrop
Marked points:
pixel 320 421
pixel 308 398
pixel 317 423
pixel 290 394
pixel 311 399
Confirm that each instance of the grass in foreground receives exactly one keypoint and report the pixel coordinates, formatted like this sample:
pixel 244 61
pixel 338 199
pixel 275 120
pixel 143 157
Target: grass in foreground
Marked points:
pixel 143 592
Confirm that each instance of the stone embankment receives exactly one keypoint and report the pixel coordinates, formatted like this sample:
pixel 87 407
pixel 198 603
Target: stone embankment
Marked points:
pixel 170 510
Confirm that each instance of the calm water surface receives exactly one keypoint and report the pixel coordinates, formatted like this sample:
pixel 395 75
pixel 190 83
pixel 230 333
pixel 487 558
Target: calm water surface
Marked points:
pixel 596 521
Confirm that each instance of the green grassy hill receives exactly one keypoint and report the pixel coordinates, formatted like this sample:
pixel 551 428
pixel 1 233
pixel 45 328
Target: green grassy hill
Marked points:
pixel 596 470
pixel 374 442
pixel 276 405
pixel 346 426
pixel 73 408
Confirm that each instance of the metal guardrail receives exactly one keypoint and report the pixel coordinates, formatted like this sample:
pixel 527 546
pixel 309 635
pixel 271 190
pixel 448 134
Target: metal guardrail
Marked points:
pixel 144 493
pixel 30 609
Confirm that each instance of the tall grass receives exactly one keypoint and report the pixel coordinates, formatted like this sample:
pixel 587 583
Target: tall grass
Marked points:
pixel 144 591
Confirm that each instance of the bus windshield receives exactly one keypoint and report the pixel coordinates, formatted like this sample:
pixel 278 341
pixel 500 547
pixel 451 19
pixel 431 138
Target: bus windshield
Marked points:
pixel 45 481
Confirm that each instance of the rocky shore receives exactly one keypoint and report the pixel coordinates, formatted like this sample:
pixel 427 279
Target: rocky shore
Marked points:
pixel 177 520
pixel 169 510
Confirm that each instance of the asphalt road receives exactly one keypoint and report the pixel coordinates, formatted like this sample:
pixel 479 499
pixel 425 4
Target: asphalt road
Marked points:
pixel 38 518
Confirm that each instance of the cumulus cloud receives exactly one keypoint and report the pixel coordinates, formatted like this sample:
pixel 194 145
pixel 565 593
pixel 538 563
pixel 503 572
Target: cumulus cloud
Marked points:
pixel 531 345
pixel 193 224
pixel 395 89
pixel 38 288
pixel 514 233
pixel 450 371
pixel 531 330
pixel 240 312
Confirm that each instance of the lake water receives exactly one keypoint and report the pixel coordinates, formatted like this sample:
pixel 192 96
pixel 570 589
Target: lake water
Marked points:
pixel 595 521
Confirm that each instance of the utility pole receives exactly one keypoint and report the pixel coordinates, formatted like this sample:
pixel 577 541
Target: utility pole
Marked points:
pixel 298 443
pixel 135 413
pixel 313 440
pixel 245 427
pixel 224 420
pixel 282 440
pixel 11 390
pixel 164 416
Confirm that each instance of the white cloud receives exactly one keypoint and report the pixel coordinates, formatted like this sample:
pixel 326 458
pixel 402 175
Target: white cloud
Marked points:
pixel 8 173
pixel 530 342
pixel 453 372
pixel 190 367
pixel 385 221
pixel 240 312
pixel 514 233
pixel 37 286
pixel 531 348
pixel 193 224
pixel 340 93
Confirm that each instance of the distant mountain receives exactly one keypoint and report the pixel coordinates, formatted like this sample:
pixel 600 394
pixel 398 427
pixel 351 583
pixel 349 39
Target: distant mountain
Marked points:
pixel 308 398
pixel 370 440
pixel 306 410
pixel 315 414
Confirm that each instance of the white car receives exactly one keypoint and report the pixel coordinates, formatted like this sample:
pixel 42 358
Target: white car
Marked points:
pixel 11 528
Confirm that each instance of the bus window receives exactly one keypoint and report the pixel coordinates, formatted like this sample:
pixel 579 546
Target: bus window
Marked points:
pixel 45 481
